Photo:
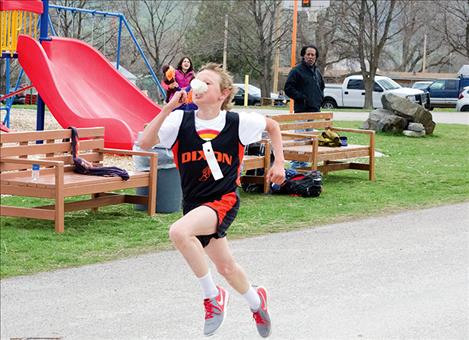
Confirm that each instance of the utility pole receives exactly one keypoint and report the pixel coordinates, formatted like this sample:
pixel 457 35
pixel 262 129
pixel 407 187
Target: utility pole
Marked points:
pixel 293 42
pixel 225 42
pixel 424 59
pixel 277 47
pixel 43 36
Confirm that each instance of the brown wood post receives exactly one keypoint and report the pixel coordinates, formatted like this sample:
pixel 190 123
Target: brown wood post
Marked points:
pixel 59 198
pixel 266 166
pixel 314 156
pixel 152 185
pixel 371 174
pixel 94 196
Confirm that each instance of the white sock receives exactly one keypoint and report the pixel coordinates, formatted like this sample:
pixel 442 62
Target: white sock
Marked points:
pixel 252 298
pixel 209 288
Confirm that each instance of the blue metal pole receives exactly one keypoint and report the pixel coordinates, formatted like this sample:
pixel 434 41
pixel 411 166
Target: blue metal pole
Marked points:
pixel 94 12
pixel 18 81
pixel 41 107
pixel 155 79
pixel 52 29
pixel 7 90
pixel 10 100
pixel 118 52
pixel 7 80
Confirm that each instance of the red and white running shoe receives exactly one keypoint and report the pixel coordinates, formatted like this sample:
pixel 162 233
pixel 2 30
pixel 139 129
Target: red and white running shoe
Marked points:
pixel 261 316
pixel 215 311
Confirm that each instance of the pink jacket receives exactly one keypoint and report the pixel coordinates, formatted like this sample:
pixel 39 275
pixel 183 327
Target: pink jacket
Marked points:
pixel 184 79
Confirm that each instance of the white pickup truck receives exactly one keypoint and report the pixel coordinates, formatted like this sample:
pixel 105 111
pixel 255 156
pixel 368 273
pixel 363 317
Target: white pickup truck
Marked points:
pixel 352 93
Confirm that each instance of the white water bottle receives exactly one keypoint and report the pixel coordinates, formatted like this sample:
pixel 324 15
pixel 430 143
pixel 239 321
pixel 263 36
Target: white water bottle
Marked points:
pixel 35 172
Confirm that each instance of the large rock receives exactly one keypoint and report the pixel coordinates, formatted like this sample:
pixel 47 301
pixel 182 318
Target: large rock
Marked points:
pixel 417 127
pixel 410 133
pixel 412 112
pixel 382 120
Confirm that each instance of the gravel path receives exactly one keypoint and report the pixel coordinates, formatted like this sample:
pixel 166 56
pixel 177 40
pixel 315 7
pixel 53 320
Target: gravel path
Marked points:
pixel 399 276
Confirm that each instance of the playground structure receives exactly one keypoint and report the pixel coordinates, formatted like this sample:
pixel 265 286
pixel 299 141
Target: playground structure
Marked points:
pixel 67 86
pixel 76 82
pixel 16 17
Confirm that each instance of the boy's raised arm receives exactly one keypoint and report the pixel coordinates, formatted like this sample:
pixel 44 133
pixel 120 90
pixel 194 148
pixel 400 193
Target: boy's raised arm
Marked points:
pixel 149 136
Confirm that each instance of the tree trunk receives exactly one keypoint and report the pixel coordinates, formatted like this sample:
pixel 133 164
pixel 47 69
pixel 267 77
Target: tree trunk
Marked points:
pixel 368 82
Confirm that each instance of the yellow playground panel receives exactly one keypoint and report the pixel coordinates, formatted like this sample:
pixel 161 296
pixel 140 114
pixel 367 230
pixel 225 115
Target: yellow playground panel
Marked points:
pixel 16 19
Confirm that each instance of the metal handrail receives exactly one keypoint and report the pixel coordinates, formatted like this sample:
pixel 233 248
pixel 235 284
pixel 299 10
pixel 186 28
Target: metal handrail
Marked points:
pixel 14 93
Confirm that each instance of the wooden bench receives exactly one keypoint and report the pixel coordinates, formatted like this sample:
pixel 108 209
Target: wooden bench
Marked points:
pixel 19 150
pixel 304 146
pixel 251 162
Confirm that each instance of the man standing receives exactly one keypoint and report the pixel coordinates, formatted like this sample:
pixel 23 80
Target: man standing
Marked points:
pixel 304 83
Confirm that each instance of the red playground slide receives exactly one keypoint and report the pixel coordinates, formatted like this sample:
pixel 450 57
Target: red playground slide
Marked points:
pixel 82 89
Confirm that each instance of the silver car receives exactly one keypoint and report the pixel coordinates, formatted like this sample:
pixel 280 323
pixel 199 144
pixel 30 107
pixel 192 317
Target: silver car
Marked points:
pixel 463 100
pixel 422 85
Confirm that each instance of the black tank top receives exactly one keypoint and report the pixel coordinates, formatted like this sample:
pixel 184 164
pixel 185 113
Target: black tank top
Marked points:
pixel 198 184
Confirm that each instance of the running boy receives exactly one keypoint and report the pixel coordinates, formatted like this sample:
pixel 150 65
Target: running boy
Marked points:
pixel 208 147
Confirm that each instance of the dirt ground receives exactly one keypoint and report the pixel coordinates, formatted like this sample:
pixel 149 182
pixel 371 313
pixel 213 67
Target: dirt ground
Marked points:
pixel 25 119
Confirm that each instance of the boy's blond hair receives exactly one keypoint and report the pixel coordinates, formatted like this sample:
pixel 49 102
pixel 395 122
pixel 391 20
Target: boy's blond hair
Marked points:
pixel 226 82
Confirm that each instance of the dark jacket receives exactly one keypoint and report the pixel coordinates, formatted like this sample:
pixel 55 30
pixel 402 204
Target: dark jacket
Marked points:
pixel 306 87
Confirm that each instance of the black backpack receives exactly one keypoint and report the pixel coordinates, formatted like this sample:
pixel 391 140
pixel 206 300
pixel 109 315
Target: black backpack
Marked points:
pixel 305 185
pixel 255 149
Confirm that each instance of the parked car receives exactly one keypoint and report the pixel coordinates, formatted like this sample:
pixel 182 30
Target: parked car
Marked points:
pixel 18 99
pixel 463 100
pixel 351 93
pixel 445 92
pixel 254 96
pixel 422 85
pixel 253 99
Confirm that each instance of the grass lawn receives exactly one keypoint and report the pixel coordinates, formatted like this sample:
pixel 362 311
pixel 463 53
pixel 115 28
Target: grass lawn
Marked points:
pixel 414 173
pixel 30 107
